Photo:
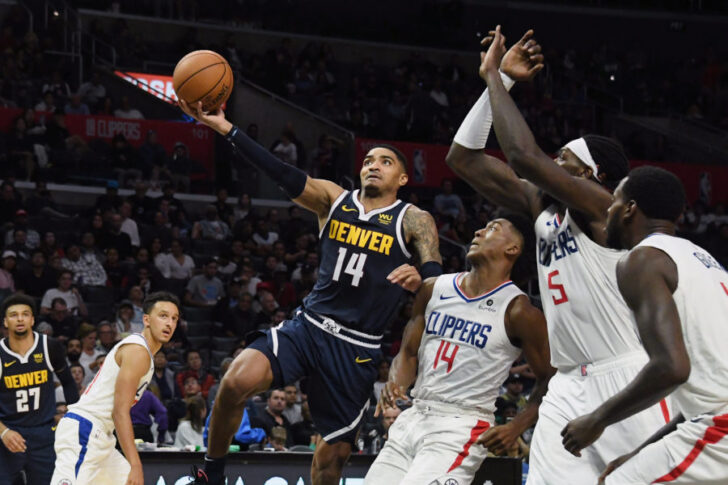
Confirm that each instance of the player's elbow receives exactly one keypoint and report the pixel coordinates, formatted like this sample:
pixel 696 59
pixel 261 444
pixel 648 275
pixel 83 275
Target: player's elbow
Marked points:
pixel 457 157
pixel 672 371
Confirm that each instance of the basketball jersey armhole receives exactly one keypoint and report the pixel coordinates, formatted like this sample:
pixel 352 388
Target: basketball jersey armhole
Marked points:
pixel 331 211
pixel 400 232
pixel 47 355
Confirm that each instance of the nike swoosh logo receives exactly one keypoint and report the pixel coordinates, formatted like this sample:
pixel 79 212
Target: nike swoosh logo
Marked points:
pixel 359 360
pixel 346 209
pixel 447 297
pixel 8 364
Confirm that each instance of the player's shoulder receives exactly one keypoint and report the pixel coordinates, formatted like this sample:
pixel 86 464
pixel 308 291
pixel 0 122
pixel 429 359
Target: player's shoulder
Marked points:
pixel 416 221
pixel 522 313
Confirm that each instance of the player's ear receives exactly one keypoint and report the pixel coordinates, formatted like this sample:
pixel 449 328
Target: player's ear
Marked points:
pixel 513 250
pixel 630 210
pixel 403 179
pixel 145 320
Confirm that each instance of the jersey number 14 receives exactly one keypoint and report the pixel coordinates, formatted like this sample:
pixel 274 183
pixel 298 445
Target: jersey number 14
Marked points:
pixel 355 266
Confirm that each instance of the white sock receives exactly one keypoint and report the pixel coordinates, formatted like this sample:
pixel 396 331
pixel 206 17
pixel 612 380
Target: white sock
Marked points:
pixel 474 130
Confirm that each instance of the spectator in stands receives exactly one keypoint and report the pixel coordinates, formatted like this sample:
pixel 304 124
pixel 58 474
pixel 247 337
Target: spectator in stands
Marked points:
pixel 49 246
pixel 20 222
pixel 87 270
pixel 382 377
pixel 189 430
pixel 75 106
pixel 117 276
pixel 211 228
pixel 93 90
pixel 124 320
pixel 205 289
pixel 48 104
pixel 124 160
pixel 79 375
pixel 65 325
pixel 292 412
pixel 285 149
pixel 89 351
pixel 142 204
pixel 152 156
pixel 273 416
pixel 73 350
pixel 107 336
pixel 20 244
pixel 447 203
pixel 194 369
pixel 304 432
pixel 7 281
pixel 68 292
pixel 514 391
pixel 38 278
pixel 224 366
pixel 112 237
pixel 163 378
pixel 268 307
pixel 149 405
pixel 389 416
pixel 60 89
pixel 128 225
pixel 264 237
pixel 160 228
pixel 224 210
pixel 111 199
pixel 175 264
pixel 10 201
pixel 126 111
pixel 283 290
pixel 179 167
pixel 89 247
pixel 136 298
pixel 241 319
pixel 242 209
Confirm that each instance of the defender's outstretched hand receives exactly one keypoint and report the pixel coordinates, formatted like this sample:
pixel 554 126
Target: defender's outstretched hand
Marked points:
pixel 491 60
pixel 215 120
pixel 522 61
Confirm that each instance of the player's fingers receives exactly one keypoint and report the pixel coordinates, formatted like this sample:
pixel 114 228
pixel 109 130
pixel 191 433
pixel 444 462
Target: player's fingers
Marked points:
pixel 537 59
pixel 534 49
pixel 526 37
pixel 535 69
pixel 486 40
pixel 378 409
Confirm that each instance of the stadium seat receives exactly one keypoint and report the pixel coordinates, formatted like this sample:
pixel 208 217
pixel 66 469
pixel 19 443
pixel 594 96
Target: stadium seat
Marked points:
pixel 207 248
pixel 217 356
pixel 199 329
pixel 99 311
pixel 300 449
pixel 197 314
pixel 226 344
pixel 98 294
pixel 198 342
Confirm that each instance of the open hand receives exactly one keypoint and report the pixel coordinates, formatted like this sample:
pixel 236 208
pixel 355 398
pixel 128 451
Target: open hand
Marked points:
pixel 522 61
pixel 215 120
pixel 490 61
pixel 388 398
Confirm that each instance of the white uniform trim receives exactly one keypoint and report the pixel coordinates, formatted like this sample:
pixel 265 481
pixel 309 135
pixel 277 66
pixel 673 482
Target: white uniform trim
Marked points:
pixel 22 358
pixel 339 335
pixel 400 236
pixel 274 336
pixel 331 211
pixel 365 216
pixel 47 355
pixel 346 429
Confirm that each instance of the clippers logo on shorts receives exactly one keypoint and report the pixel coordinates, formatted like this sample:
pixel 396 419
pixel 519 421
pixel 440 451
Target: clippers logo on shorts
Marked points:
pixel 466 331
pixel 560 247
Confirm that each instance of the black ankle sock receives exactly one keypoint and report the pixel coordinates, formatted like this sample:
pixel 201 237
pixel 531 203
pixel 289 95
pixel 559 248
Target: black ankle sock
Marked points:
pixel 215 469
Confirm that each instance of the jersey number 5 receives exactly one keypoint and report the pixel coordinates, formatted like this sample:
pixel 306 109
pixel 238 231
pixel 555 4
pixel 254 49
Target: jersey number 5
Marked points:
pixel 442 354
pixel 355 266
pixel 558 287
pixel 24 395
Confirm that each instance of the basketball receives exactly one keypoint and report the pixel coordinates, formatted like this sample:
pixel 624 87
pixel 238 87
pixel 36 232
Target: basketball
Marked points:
pixel 203 76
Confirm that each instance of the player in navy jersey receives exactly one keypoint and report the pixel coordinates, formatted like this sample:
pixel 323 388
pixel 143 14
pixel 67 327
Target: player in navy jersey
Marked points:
pixel 368 238
pixel 27 395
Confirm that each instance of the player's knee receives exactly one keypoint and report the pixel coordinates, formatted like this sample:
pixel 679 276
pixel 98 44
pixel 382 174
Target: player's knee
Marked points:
pixel 248 374
pixel 329 461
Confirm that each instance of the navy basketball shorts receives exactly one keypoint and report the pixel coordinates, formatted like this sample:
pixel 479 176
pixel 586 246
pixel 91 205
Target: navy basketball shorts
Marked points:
pixel 341 366
pixel 37 461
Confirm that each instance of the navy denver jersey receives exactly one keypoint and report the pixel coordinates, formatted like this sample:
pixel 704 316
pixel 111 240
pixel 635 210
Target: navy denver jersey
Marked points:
pixel 358 251
pixel 27 391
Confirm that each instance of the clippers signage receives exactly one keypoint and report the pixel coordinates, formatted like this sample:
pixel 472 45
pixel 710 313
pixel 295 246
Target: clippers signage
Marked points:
pixel 156 84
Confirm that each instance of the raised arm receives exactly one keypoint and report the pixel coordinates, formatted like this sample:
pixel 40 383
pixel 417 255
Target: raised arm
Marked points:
pixel 316 195
pixel 57 354
pixel 526 327
pixel 520 148
pixel 486 174
pixel 647 278
pixel 403 371
pixel 133 361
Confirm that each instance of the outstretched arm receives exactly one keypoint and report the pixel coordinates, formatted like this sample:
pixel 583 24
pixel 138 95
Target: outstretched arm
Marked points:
pixel 133 361
pixel 647 277
pixel 521 150
pixel 488 175
pixel 403 371
pixel 316 195
pixel 526 327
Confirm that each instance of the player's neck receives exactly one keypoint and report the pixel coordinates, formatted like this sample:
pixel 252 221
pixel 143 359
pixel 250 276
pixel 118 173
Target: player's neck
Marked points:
pixel 21 345
pixel 651 226
pixel 485 276
pixel 154 344
pixel 373 202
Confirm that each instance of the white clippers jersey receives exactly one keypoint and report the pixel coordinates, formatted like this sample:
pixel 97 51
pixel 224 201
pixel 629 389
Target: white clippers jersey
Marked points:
pixel 98 400
pixel 702 302
pixel 587 318
pixel 465 353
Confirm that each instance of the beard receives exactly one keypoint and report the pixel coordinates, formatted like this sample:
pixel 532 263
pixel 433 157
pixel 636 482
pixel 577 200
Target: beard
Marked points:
pixel 73 356
pixel 614 240
pixel 372 191
pixel 21 333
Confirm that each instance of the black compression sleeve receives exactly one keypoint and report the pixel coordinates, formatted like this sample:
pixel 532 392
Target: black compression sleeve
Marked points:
pixel 430 269
pixel 70 391
pixel 57 356
pixel 289 178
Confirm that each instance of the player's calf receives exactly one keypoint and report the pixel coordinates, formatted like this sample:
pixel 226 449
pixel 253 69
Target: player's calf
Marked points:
pixel 328 462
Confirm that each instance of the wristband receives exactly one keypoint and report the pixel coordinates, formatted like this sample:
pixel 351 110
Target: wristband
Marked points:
pixel 3 433
pixel 430 269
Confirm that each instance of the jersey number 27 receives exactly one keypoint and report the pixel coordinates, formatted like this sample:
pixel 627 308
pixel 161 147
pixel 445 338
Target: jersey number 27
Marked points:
pixel 24 396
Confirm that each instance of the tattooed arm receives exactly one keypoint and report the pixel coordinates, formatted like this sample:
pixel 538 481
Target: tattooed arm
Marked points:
pixel 420 233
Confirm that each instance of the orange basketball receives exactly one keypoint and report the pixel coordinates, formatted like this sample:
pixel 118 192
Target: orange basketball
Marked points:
pixel 203 76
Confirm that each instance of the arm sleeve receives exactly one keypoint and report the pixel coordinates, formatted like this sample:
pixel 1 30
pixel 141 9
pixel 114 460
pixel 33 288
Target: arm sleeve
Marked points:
pixel 57 356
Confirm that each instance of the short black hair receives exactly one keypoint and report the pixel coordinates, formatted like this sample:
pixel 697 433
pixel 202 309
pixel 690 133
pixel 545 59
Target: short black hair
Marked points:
pixel 659 194
pixel 153 298
pixel 76 364
pixel 19 299
pixel 609 154
pixel 523 268
pixel 400 156
pixel 193 350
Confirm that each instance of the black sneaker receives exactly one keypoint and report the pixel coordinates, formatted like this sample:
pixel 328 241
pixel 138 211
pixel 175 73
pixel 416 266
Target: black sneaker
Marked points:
pixel 199 476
